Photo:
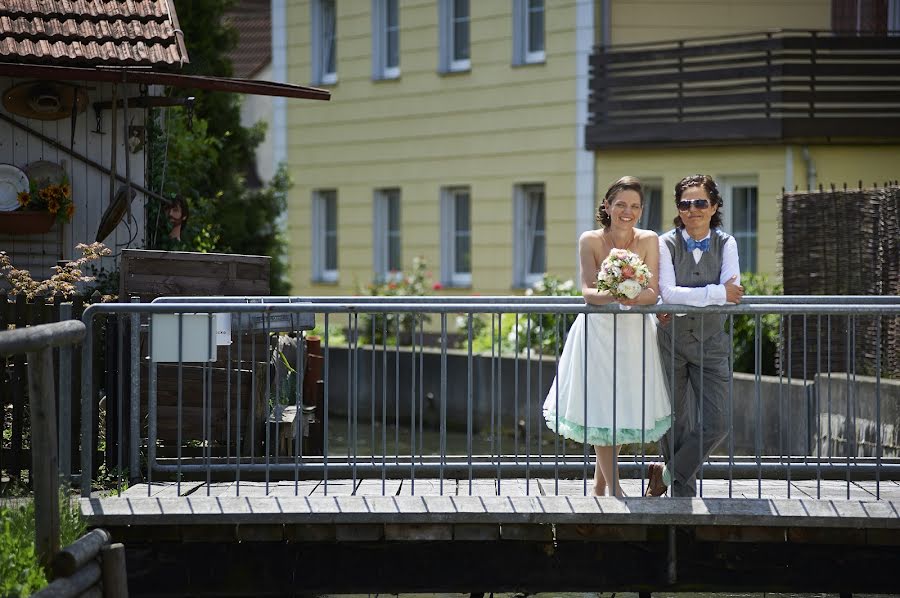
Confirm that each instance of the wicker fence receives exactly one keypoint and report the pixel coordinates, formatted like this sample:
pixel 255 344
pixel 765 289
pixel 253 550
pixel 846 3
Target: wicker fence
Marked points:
pixel 843 242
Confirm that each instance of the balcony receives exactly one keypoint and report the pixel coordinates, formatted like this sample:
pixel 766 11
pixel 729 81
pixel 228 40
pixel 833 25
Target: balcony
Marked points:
pixel 777 86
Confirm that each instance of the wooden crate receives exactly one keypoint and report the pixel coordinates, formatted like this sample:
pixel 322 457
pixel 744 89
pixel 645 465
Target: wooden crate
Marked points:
pixel 149 274
pixel 152 273
pixel 192 420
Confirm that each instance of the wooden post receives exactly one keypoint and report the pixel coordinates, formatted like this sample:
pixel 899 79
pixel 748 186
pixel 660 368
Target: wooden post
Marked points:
pixel 115 578
pixel 44 456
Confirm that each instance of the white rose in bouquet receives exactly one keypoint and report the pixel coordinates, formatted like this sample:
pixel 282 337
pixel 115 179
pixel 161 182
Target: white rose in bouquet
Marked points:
pixel 629 288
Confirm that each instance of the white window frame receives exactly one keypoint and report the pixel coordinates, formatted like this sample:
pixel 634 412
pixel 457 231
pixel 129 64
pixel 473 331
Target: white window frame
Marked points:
pixel 448 63
pixel 727 187
pixel 648 183
pixel 449 236
pixel 321 234
pixel 893 23
pixel 381 33
pixel 523 12
pixel 323 41
pixel 382 235
pixel 525 232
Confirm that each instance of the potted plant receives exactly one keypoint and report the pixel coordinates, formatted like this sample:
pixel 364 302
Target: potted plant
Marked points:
pixel 39 209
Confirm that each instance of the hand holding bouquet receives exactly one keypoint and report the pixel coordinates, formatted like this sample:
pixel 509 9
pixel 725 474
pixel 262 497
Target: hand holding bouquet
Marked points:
pixel 623 274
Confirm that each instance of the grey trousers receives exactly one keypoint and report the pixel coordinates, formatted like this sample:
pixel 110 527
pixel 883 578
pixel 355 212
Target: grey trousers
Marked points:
pixel 686 446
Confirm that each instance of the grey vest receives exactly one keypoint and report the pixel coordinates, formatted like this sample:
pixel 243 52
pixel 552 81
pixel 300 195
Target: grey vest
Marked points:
pixel 691 274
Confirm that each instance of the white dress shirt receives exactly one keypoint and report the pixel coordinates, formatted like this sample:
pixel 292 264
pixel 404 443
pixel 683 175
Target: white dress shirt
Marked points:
pixel 711 294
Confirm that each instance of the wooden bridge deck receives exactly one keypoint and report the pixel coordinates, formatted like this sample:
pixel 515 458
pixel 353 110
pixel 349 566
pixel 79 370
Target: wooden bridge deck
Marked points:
pixel 741 488
pixel 528 539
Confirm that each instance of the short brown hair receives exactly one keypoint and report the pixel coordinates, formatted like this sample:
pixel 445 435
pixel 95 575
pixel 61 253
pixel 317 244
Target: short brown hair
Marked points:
pixel 712 191
pixel 626 183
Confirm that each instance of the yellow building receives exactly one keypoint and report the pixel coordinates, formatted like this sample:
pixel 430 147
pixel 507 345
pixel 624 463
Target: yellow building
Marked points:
pixel 478 135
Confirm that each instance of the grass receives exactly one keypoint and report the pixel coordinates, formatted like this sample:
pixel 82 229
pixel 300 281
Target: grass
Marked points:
pixel 20 571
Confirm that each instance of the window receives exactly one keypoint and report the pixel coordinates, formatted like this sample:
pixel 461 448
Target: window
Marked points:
pixel 530 242
pixel 863 17
pixel 454 35
pixel 528 31
pixel 740 219
pixel 456 237
pixel 386 252
pixel 324 42
pixel 385 39
pixel 325 247
pixel 651 216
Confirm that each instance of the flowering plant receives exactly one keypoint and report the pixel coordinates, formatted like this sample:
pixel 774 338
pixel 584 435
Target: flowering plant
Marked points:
pixel 54 198
pixel 623 274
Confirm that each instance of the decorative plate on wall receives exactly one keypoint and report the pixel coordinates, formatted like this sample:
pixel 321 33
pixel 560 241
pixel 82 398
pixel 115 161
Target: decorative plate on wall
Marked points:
pixel 12 182
pixel 44 172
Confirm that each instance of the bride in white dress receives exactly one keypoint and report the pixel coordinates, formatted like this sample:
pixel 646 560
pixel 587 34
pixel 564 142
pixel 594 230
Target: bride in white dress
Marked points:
pixel 642 409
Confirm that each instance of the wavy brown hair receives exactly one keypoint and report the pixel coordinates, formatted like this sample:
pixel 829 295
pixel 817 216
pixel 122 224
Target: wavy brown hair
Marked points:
pixel 626 183
pixel 712 191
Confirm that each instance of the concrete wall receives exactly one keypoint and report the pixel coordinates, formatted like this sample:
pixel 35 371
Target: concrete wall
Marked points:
pixel 778 420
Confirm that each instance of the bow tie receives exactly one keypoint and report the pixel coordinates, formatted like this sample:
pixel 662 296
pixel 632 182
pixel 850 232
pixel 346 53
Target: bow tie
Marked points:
pixel 701 245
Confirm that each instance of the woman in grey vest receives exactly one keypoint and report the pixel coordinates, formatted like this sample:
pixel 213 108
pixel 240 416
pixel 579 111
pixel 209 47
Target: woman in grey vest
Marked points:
pixel 699 267
pixel 590 401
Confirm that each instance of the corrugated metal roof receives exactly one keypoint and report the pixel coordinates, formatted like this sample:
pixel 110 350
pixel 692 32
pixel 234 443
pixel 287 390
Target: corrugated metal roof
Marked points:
pixel 253 22
pixel 91 33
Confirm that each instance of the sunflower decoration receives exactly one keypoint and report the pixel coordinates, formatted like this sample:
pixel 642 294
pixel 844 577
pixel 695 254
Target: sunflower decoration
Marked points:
pixel 55 198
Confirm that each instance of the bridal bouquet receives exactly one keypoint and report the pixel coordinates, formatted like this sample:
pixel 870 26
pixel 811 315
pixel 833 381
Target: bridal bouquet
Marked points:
pixel 623 274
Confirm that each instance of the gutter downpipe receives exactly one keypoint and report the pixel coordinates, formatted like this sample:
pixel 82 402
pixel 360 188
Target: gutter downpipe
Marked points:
pixel 279 103
pixel 585 168
pixel 811 181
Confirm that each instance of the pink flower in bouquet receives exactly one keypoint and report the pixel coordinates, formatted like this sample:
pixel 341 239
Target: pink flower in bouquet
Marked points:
pixel 623 274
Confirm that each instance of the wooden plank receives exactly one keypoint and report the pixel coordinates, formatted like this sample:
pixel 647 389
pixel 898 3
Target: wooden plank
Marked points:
pixel 831 489
pixel 378 488
pixel 290 488
pixel 417 532
pixel 187 489
pixel 335 488
pixel 427 487
pixel 604 533
pixel 504 510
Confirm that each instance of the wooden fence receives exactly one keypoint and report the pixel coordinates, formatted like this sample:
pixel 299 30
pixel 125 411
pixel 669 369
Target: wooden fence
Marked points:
pixel 16 311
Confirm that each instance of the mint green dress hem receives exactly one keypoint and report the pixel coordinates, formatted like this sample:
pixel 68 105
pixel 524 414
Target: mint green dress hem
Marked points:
pixel 604 436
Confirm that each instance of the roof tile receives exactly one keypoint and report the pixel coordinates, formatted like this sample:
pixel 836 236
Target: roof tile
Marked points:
pixel 90 32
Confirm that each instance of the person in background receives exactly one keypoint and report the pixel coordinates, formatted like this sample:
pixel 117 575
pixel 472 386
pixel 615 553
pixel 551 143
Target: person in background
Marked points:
pixel 177 212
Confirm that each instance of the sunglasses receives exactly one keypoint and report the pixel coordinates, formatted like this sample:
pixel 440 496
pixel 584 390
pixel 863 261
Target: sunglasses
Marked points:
pixel 684 205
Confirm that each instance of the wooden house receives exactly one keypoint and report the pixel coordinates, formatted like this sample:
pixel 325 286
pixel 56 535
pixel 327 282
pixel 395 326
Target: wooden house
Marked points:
pixel 77 81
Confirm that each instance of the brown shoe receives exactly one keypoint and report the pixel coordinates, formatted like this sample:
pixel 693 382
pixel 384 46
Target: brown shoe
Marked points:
pixel 655 485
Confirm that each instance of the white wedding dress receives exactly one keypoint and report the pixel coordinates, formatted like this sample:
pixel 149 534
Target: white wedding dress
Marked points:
pixel 642 410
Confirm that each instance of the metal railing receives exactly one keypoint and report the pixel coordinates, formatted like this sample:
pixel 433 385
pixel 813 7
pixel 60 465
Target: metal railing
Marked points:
pixel 38 342
pixel 394 405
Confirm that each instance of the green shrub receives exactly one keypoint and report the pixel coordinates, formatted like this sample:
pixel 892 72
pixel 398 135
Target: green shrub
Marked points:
pixel 20 572
pixel 518 332
pixel 745 329
pixel 381 328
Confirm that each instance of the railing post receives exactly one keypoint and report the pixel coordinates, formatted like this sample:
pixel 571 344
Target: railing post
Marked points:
pixel 44 463
pixel 768 75
pixel 680 102
pixel 812 76
pixel 134 436
pixel 65 400
pixel 87 372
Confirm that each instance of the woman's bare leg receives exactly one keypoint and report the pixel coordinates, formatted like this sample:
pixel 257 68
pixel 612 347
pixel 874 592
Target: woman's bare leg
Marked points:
pixel 607 459
pixel 599 488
